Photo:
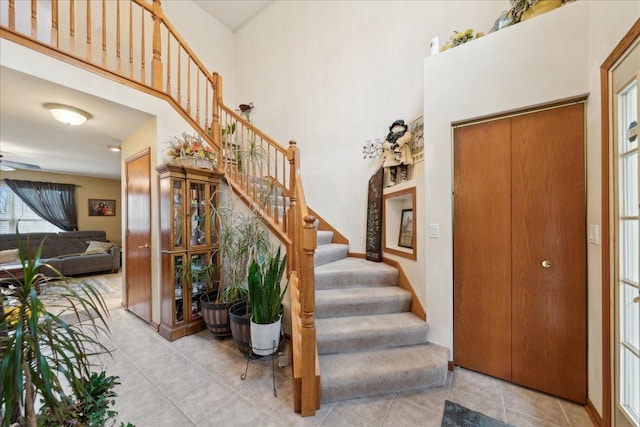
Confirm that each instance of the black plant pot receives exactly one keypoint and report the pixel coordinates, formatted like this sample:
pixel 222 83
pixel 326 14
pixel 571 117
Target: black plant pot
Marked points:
pixel 215 315
pixel 240 319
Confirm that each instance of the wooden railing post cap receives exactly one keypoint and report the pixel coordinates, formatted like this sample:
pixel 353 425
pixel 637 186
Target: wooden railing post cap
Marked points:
pixel 309 220
pixel 292 142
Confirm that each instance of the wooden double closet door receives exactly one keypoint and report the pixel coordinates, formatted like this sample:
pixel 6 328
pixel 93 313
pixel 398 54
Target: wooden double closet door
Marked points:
pixel 520 286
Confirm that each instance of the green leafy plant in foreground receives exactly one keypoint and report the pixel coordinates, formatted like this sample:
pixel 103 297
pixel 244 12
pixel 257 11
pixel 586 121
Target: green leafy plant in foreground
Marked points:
pixel 40 346
pixel 91 406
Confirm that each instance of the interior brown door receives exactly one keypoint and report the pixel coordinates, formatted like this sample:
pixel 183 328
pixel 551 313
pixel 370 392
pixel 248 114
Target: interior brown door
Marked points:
pixel 520 250
pixel 549 252
pixel 482 248
pixel 138 235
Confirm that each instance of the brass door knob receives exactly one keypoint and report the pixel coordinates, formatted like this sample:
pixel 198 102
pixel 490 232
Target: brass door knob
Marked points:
pixel 545 264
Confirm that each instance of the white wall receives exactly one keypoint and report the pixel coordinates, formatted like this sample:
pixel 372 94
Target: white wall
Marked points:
pixel 545 59
pixel 209 39
pixel 332 74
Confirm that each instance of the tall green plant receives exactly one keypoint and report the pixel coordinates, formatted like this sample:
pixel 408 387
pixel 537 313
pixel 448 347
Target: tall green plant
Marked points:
pixel 39 347
pixel 241 240
pixel 265 291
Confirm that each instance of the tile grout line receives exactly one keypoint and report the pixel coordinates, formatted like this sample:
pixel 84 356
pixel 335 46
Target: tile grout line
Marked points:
pixel 386 413
pixel 151 381
pixel 566 417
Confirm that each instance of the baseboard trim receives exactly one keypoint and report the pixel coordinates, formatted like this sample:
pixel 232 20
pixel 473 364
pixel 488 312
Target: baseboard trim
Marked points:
pixel 155 326
pixel 593 413
pixel 356 255
pixel 450 365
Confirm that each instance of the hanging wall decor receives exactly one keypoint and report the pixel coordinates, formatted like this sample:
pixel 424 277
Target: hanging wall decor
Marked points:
pixel 102 207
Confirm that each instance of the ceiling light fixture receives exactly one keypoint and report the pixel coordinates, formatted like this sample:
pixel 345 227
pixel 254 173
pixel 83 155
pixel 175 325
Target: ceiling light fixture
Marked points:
pixel 68 115
pixel 115 149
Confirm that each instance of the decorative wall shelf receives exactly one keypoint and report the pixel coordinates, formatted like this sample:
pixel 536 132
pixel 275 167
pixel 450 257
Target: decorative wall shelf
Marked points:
pixel 399 235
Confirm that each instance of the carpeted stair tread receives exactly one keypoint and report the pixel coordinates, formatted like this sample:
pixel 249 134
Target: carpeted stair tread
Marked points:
pixel 324 237
pixel 361 301
pixel 354 272
pixel 328 253
pixel 392 370
pixel 358 333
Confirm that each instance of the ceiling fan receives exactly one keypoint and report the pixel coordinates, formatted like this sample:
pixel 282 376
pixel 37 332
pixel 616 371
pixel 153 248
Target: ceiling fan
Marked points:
pixel 8 165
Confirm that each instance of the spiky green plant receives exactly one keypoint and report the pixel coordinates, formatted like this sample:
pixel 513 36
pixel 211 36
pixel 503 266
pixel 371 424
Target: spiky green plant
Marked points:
pixel 39 347
pixel 265 292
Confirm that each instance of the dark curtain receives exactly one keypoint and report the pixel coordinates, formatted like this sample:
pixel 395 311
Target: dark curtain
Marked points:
pixel 53 202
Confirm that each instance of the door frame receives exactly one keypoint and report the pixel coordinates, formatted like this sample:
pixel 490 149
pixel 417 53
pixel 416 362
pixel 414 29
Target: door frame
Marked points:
pixel 607 259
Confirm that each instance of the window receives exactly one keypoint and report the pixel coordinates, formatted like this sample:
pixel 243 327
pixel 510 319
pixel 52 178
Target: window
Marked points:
pixel 628 255
pixel 13 210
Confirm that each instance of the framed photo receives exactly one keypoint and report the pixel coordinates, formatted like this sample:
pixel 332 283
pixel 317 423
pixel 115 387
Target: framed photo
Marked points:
pixel 416 127
pixel 406 229
pixel 102 207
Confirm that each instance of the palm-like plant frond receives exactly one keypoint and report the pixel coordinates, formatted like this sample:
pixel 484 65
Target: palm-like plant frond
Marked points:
pixel 42 344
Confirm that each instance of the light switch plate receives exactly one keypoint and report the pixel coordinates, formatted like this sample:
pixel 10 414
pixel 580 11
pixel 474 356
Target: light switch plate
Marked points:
pixel 434 231
pixel 593 234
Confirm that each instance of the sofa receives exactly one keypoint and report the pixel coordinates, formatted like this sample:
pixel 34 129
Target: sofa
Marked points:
pixel 70 253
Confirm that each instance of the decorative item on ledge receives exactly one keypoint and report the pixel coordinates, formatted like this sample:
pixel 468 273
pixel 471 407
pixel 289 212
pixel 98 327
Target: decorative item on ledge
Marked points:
pixel 196 162
pixel 191 150
pixel 461 38
pixel 521 10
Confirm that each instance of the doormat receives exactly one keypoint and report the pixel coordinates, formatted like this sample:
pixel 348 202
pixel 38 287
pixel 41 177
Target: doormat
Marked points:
pixel 458 416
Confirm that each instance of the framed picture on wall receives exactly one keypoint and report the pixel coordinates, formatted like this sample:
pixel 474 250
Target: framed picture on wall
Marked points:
pixel 406 229
pixel 416 127
pixel 102 207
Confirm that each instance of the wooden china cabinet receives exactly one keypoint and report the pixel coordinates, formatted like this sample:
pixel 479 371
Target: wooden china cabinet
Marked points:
pixel 188 246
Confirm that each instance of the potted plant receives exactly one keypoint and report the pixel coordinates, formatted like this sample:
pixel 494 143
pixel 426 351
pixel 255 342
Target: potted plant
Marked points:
pixel 266 295
pixel 39 348
pixel 215 313
pixel 241 239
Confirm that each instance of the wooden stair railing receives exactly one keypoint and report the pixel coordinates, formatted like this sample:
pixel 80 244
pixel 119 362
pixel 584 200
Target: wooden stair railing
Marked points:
pixel 132 42
pixel 306 368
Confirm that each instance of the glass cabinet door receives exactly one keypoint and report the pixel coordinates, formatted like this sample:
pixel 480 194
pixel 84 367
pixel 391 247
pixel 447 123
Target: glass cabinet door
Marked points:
pixel 213 201
pixel 177 213
pixel 178 289
pixel 200 275
pixel 197 214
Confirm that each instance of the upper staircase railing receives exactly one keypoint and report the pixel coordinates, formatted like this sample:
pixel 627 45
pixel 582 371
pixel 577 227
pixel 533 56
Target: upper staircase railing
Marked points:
pixel 132 42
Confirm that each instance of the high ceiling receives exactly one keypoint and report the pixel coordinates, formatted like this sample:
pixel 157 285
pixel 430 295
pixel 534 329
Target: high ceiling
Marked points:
pixel 233 13
pixel 29 134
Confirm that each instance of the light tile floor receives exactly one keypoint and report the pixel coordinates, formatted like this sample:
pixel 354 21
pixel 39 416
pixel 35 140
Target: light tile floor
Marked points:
pixel 195 381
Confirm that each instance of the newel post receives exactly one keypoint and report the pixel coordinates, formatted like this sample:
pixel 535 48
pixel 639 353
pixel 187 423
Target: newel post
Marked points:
pixel 309 385
pixel 156 63
pixel 216 129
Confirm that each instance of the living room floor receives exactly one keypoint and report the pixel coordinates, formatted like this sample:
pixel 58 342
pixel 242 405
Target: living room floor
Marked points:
pixel 195 381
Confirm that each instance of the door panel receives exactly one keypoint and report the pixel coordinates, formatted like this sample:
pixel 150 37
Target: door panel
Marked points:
pixel 138 250
pixel 548 214
pixel 482 248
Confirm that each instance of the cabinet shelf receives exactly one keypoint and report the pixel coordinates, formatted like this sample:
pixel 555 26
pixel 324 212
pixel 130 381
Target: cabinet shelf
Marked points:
pixel 188 246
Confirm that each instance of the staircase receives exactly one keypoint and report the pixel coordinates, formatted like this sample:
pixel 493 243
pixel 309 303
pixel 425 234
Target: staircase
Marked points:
pixel 368 340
